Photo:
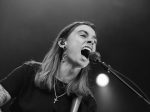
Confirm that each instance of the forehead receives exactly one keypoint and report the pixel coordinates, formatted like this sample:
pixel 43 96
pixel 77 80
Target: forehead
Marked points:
pixel 85 28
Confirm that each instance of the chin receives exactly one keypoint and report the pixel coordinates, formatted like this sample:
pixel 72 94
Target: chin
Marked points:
pixel 84 64
pixel 79 62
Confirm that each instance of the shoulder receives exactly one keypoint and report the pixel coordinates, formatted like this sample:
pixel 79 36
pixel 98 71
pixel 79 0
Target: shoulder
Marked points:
pixel 32 65
pixel 20 77
pixel 25 70
pixel 21 71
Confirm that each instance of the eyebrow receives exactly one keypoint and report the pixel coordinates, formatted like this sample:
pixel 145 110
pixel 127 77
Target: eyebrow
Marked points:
pixel 87 33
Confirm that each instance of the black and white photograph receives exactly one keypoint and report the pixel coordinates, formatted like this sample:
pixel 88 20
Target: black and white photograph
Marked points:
pixel 74 56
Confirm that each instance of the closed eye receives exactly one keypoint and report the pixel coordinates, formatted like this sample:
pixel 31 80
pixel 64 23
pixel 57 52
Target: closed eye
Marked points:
pixel 83 35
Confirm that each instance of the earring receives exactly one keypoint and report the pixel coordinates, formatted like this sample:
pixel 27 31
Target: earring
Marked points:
pixel 62 43
pixel 64 56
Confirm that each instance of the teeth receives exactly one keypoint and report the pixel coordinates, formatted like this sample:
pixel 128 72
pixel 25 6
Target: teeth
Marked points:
pixel 89 49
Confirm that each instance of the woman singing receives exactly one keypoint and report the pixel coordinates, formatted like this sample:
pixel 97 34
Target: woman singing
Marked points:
pixel 62 76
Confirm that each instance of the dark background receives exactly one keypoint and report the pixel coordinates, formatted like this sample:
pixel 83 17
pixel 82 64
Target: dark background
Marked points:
pixel 28 27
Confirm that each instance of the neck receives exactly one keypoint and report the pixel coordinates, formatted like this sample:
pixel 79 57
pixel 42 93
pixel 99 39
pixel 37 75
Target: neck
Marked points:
pixel 67 72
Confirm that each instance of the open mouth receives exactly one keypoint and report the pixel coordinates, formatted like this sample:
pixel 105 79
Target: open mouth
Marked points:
pixel 85 53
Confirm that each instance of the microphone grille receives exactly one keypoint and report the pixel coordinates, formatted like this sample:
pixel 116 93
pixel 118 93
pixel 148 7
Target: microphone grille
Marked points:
pixel 95 57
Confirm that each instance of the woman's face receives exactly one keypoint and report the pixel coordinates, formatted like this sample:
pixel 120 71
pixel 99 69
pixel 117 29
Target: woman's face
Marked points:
pixel 80 43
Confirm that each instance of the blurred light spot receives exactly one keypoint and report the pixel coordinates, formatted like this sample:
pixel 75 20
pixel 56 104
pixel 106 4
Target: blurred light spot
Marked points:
pixel 102 80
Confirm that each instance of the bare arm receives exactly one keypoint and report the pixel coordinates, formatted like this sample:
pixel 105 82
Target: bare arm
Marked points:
pixel 4 96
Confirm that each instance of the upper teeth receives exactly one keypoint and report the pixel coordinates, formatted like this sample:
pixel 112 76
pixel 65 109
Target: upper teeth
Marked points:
pixel 87 48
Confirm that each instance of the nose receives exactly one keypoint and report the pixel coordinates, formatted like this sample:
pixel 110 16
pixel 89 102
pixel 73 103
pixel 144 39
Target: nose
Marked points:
pixel 90 41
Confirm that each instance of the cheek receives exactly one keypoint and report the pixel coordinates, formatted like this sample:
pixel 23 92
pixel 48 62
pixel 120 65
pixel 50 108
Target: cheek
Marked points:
pixel 74 39
pixel 73 49
pixel 94 48
pixel 74 44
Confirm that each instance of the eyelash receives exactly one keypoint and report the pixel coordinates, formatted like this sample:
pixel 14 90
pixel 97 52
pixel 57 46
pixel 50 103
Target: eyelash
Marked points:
pixel 83 35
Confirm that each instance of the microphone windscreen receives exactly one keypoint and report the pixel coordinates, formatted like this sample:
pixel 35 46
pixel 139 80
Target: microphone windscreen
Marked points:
pixel 95 57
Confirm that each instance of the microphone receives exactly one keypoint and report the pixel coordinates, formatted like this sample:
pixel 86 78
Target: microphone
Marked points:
pixel 95 57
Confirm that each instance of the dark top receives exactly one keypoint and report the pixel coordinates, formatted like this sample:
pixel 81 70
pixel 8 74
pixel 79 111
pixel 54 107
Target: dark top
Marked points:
pixel 26 97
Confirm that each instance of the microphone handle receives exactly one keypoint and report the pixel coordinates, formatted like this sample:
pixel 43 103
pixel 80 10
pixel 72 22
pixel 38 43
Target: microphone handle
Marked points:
pixel 105 66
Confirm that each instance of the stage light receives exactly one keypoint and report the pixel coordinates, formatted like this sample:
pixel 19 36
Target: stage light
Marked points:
pixel 102 80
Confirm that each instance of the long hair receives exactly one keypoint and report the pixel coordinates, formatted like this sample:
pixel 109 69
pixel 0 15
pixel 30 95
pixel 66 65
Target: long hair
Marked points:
pixel 51 62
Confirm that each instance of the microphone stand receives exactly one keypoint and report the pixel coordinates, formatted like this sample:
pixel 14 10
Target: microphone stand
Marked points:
pixel 120 76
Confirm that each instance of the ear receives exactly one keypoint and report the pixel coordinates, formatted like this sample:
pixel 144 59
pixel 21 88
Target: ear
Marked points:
pixel 62 43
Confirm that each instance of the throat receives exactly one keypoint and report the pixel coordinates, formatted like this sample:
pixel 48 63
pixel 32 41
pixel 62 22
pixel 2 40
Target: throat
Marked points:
pixel 67 72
